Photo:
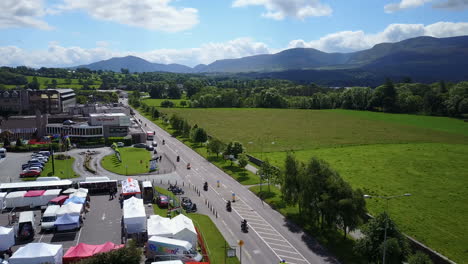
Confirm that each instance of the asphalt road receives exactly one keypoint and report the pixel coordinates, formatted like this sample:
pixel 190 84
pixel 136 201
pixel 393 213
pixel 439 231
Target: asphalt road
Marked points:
pixel 10 167
pixel 271 237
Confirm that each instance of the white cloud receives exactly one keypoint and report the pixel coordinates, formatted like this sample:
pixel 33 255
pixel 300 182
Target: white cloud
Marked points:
pixel 57 55
pixel 23 13
pixel 452 4
pixel 149 14
pixel 279 9
pixel 404 4
pixel 442 4
pixel 346 41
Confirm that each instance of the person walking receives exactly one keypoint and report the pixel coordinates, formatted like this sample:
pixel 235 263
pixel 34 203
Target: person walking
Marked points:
pixel 111 193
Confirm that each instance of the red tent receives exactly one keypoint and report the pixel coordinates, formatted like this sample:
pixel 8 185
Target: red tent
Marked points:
pixel 34 193
pixel 59 200
pixel 83 250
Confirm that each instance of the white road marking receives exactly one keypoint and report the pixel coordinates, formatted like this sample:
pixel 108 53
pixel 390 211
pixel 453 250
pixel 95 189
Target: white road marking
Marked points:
pixel 103 216
pixel 79 235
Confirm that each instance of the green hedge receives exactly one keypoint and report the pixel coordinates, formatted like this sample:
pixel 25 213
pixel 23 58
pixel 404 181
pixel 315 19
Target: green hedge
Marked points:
pixel 110 140
pixel 38 147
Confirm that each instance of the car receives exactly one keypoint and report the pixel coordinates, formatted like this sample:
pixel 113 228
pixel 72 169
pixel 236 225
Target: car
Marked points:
pixel 140 145
pixel 154 144
pixel 36 161
pixel 149 148
pixel 35 164
pixel 162 201
pixel 45 153
pixel 30 173
pixel 34 169
pixel 120 144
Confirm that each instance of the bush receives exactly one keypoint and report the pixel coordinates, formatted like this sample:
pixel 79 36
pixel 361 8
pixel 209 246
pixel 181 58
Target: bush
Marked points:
pixel 38 147
pixel 110 140
pixel 167 104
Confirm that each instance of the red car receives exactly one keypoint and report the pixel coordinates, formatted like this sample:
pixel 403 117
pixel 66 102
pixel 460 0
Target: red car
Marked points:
pixel 162 201
pixel 30 173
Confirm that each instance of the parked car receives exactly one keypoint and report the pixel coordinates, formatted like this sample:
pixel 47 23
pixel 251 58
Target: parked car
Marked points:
pixel 35 164
pixel 162 201
pixel 45 153
pixel 34 169
pixel 30 173
pixel 36 161
pixel 140 145
pixel 150 148
pixel 120 144
pixel 26 227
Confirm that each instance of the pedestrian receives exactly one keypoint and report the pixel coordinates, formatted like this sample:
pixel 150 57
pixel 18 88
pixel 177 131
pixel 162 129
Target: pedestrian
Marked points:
pixel 160 158
pixel 121 200
pixel 110 194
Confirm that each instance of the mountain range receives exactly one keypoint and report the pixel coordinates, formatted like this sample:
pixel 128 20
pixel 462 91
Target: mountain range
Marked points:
pixel 422 57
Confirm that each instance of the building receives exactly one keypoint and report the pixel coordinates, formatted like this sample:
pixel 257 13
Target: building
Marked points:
pixel 52 101
pixel 25 126
pixel 16 101
pixel 114 124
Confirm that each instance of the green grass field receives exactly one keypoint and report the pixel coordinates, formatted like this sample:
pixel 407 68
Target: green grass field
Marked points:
pixel 134 161
pixel 157 102
pixel 383 154
pixel 63 169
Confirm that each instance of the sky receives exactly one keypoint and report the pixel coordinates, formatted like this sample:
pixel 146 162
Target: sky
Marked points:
pixel 60 33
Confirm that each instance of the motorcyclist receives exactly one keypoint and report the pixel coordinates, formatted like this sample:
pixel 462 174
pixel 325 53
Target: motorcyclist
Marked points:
pixel 205 186
pixel 178 158
pixel 188 166
pixel 228 206
pixel 164 142
pixel 244 225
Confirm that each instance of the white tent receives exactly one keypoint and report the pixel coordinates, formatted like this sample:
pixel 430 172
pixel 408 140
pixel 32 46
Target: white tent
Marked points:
pixel 179 227
pixel 70 208
pixel 7 238
pixel 159 226
pixel 134 215
pixel 2 200
pixel 184 229
pixel 16 199
pixel 38 253
pixel 49 195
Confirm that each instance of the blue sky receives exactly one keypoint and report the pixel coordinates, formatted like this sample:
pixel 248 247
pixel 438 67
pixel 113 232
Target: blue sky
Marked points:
pixel 73 32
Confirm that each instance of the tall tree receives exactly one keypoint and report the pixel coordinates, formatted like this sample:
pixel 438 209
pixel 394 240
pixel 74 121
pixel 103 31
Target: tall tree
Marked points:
pixel 199 135
pixel 215 146
pixel 291 185
pixel 242 160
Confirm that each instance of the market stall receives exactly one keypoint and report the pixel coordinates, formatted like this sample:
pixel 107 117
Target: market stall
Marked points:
pixel 83 250
pixel 38 253
pixel 134 215
pixel 7 238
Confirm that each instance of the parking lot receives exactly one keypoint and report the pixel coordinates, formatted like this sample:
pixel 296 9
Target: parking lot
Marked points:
pixel 101 224
pixel 10 167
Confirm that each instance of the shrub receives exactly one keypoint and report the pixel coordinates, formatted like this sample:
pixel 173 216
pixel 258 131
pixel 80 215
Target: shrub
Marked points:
pixel 167 104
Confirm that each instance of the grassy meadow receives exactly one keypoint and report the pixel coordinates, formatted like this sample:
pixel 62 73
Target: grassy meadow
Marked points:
pixel 134 161
pixel 383 154
pixel 157 102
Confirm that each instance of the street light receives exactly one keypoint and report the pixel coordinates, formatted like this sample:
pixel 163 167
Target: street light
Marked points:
pixel 367 196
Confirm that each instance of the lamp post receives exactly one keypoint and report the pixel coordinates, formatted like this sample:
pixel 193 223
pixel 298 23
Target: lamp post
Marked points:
pixel 386 215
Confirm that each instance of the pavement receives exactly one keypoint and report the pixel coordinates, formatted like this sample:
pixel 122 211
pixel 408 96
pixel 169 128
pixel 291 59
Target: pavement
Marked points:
pixel 10 167
pixel 101 224
pixel 271 237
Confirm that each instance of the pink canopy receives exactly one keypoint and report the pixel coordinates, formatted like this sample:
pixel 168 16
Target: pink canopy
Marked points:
pixel 83 250
pixel 34 193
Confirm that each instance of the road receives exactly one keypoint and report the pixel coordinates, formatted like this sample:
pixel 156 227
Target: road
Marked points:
pixel 271 237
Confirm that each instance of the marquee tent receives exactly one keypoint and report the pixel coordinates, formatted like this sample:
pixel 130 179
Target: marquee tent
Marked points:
pixel 83 250
pixel 16 199
pixel 179 227
pixel 7 238
pixel 49 195
pixel 70 208
pixel 75 199
pixel 130 186
pixel 38 253
pixel 69 190
pixel 67 222
pixel 59 200
pixel 34 193
pixel 134 215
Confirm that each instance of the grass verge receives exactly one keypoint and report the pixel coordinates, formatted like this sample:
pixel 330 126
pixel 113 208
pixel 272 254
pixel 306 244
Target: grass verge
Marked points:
pixel 331 239
pixel 134 161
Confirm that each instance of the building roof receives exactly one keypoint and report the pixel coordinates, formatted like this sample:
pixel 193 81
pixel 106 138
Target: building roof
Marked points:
pixel 107 114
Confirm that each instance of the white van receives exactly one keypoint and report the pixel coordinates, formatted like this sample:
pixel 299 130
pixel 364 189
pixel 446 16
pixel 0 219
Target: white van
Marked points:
pixel 2 153
pixel 26 227
pixel 49 217
pixel 51 178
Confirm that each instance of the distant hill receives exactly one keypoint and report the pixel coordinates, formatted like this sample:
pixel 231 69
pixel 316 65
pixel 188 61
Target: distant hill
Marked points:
pixel 423 58
pixel 135 64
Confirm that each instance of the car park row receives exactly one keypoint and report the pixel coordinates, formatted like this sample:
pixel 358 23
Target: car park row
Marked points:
pixel 35 165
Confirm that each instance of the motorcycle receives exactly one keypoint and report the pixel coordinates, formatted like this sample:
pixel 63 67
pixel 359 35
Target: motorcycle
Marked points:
pixel 189 166
pixel 244 226
pixel 205 186
pixel 228 206
pixel 178 158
